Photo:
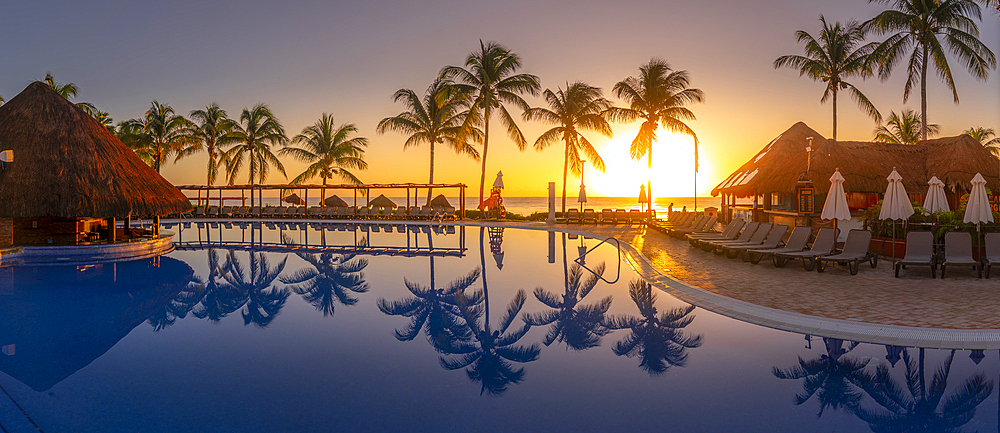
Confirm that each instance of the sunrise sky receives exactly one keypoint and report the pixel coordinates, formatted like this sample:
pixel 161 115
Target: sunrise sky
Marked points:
pixel 348 58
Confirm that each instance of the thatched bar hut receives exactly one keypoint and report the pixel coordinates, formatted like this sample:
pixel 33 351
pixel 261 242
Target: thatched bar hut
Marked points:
pixel 71 177
pixel 790 182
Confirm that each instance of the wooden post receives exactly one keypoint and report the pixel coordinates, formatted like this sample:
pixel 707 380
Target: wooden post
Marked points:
pixel 753 216
pixel 111 230
pixel 461 202
pixel 156 226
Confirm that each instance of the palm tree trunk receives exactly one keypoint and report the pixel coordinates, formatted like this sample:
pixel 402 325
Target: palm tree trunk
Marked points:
pixel 649 182
pixel 565 166
pixel 486 147
pixel 923 96
pixel 835 112
pixel 431 180
pixel 252 165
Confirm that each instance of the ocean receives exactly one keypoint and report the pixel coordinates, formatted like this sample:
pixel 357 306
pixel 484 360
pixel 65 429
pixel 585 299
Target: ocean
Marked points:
pixel 529 205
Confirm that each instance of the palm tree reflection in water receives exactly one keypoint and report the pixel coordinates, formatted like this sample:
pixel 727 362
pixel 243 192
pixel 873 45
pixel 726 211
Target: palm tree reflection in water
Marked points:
pixel 254 289
pixel 329 279
pixel 836 380
pixel 658 340
pixel 914 406
pixel 579 327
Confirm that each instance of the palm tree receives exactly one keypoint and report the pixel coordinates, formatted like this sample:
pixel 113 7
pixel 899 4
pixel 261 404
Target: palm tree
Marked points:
pixel 131 133
pixel 209 132
pixel 437 118
pixel 580 106
pixel 253 137
pixel 580 327
pixel 164 133
pixel 837 54
pixel 2 101
pixel 915 406
pixel 657 339
pixel 329 279
pixel 261 301
pixel 105 120
pixel 836 381
pixel 902 129
pixel 329 150
pixel 489 78
pixel 178 307
pixel 69 91
pixel 658 96
pixel 922 30
pixel 986 136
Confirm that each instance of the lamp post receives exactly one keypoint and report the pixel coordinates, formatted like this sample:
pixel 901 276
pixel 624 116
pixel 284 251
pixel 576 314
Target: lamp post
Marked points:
pixel 809 149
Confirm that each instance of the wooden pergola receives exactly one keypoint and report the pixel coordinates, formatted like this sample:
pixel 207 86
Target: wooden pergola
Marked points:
pixel 206 193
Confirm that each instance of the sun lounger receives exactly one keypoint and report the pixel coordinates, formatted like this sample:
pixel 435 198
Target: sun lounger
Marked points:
pixel 773 240
pixel 199 211
pixel 825 242
pixel 796 242
pixel 572 216
pixel 213 211
pixel 707 226
pixel 958 251
pixel 315 212
pixel 607 216
pixel 621 217
pixel 636 216
pixel 242 211
pixel 268 211
pixel 302 212
pixel 919 251
pixel 690 226
pixel 331 212
pixel 732 231
pixel 992 251
pixel 589 217
pixel 855 251
pixel 755 239
pixel 254 212
pixel 744 236
pixel 679 220
pixel 363 213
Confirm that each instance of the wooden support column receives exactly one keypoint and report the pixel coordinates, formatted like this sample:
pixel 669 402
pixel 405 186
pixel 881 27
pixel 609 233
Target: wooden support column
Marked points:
pixel 111 230
pixel 156 226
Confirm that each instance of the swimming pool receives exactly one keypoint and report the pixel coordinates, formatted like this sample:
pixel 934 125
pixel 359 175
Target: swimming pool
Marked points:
pixel 246 328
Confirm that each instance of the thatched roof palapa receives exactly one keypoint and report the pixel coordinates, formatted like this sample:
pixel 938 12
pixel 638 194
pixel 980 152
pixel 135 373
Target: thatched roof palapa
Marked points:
pixel 440 201
pixel 68 165
pixel 864 165
pixel 334 201
pixel 382 201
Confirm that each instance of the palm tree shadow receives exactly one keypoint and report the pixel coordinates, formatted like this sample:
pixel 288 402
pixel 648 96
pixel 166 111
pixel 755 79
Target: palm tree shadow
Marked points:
pixel 330 279
pixel 657 340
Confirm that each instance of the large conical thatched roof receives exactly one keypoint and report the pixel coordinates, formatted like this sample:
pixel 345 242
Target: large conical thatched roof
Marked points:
pixel 864 165
pixel 67 165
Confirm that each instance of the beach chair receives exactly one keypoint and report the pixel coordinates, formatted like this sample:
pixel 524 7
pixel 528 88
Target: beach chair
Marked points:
pixel 707 225
pixel 744 236
pixel 696 222
pixel 213 211
pixel 242 211
pixel 268 212
pixel 855 251
pixel 992 251
pixel 826 241
pixel 958 251
pixel 607 216
pixel 683 221
pixel 635 216
pixel 589 216
pixel 620 216
pixel 254 212
pixel 572 216
pixel 199 211
pixel 426 213
pixel 796 242
pixel 226 211
pixel 773 240
pixel 331 212
pixel 301 212
pixel 400 213
pixel 732 231
pixel 919 251
pixel 449 214
pixel 316 212
pixel 756 239
pixel 363 213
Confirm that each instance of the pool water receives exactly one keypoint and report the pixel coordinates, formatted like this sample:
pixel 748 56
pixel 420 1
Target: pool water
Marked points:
pixel 319 328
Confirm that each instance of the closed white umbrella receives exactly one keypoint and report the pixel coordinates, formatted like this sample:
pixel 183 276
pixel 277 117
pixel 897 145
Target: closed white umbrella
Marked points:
pixel 896 204
pixel 582 198
pixel 978 209
pixel 499 182
pixel 835 208
pixel 936 200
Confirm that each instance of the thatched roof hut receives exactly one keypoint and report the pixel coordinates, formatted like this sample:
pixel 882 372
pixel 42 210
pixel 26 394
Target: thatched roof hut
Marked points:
pixel 68 165
pixel 864 165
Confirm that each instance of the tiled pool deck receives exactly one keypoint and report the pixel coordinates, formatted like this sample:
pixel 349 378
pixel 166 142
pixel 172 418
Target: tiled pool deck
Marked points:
pixel 959 312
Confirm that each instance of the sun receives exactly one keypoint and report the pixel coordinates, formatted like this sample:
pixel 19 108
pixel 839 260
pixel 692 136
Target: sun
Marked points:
pixel 672 173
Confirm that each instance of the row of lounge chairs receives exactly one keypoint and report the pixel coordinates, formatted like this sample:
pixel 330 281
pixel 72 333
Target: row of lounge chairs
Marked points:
pixel 755 241
pixel 606 216
pixel 352 212
pixel 957 252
